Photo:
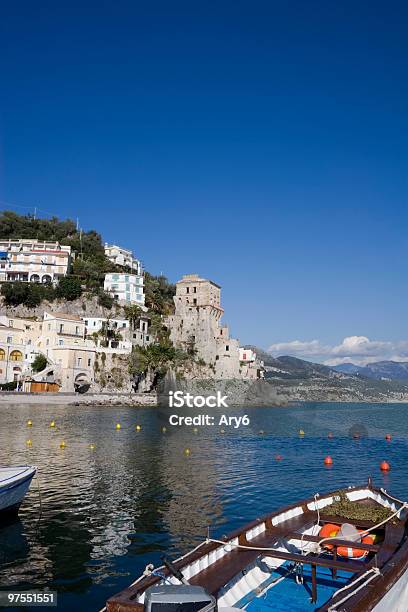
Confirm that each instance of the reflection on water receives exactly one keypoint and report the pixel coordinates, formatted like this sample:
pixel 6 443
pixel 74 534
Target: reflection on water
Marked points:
pixel 109 511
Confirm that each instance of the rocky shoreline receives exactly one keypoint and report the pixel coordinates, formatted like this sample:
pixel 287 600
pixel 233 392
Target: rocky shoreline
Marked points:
pixel 75 399
pixel 238 392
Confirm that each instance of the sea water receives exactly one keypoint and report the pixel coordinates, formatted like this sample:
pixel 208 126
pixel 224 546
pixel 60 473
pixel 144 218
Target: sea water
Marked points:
pixel 97 515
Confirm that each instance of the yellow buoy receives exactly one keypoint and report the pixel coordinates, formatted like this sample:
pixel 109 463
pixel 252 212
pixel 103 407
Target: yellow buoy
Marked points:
pixel 195 430
pixel 52 424
pixel 29 443
pixel 138 427
pixel 187 451
pixel 222 431
pixel 92 446
pixel 164 429
pixel 62 445
pixel 29 423
pixel 301 432
pixel 117 426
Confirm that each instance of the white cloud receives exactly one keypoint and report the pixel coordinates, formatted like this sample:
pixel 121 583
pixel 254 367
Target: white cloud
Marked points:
pixel 356 349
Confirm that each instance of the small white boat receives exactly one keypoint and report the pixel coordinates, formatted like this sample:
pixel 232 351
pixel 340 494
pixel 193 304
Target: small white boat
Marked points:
pixel 14 484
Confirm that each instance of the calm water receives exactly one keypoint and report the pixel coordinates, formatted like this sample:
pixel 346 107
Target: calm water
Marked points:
pixel 107 512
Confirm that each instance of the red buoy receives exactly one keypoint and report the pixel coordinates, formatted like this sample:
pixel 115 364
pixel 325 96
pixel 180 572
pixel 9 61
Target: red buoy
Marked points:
pixel 385 466
pixel 278 457
pixel 388 437
pixel 330 435
pixel 328 460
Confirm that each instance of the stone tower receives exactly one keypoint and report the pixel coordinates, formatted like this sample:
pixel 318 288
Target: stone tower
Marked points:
pixel 196 324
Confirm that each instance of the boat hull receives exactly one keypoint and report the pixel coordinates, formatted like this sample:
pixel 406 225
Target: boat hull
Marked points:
pixel 397 597
pixel 12 493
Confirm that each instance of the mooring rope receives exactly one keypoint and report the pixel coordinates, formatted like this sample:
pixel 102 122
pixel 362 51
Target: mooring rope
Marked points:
pixel 374 571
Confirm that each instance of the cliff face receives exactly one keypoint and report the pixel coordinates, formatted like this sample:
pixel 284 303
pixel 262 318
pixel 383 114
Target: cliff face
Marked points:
pixel 84 306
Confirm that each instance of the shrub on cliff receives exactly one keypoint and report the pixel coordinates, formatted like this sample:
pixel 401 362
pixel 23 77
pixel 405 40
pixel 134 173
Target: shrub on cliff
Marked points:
pixel 28 294
pixel 105 299
pixel 68 288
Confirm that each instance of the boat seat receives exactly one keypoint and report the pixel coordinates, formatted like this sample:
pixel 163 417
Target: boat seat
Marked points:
pixel 220 573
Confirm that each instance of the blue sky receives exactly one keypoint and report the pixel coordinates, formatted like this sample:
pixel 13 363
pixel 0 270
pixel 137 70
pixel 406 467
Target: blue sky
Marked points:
pixel 260 144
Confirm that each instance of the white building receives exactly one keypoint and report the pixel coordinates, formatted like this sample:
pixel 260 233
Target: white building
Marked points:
pixel 251 366
pixel 123 257
pixel 34 261
pixel 127 288
pixel 108 333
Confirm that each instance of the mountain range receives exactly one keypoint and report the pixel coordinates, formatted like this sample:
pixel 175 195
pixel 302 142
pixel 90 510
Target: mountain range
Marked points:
pixel 297 379
pixel 380 370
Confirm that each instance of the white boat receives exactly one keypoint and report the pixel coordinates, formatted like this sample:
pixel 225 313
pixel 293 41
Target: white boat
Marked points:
pixel 14 484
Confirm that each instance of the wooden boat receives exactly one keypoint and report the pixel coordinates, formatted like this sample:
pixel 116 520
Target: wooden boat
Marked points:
pixel 14 484
pixel 281 562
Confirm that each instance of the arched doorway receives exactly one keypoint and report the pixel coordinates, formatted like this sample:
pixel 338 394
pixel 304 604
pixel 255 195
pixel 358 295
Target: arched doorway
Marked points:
pixel 16 373
pixel 16 356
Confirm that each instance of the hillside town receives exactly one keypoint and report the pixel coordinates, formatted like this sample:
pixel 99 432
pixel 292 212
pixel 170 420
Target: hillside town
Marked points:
pixel 63 351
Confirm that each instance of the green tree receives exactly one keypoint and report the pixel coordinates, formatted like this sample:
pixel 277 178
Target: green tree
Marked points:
pixel 133 313
pixel 159 293
pixel 28 294
pixel 69 288
pixel 155 359
pixel 39 363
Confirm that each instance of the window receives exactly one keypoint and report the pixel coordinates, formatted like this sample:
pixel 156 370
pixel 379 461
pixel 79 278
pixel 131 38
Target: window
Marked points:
pixel 77 330
pixel 195 289
pixel 89 363
pixel 134 335
pixel 61 342
pixel 11 323
pixel 49 326
pixel 187 289
pixel 2 354
pixel 16 356
pixel 9 339
pixel 47 342
pixel 61 328
pixel 195 301
pixel 86 323
pixel 227 348
pixel 79 361
pixel 147 338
